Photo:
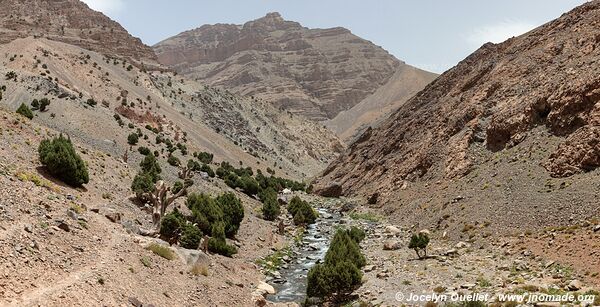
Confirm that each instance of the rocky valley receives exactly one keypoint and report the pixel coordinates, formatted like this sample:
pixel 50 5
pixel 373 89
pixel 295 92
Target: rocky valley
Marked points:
pixel 270 164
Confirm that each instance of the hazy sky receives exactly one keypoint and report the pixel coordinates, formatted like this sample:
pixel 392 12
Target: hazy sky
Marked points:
pixel 433 35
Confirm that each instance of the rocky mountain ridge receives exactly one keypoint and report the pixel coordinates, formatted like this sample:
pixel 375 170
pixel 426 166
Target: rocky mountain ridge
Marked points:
pixel 313 72
pixel 71 22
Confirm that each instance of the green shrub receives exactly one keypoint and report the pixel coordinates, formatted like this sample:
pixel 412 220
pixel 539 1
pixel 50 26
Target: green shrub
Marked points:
pixel 190 237
pixel 205 168
pixel 233 213
pixel 270 209
pixel 35 105
pixel 148 175
pixel 249 185
pixel 205 211
pixel 301 211
pixel 356 234
pixel 144 150
pixel 340 271
pixel 44 103
pixel 174 161
pixel 218 244
pixel 150 166
pixel 61 160
pixel 204 157
pixel 25 111
pixel 133 139
pixel 419 243
pixel 91 102
pixel 208 211
pixel 170 224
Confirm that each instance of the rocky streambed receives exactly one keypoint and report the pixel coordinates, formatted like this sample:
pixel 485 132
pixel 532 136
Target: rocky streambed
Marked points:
pixel 309 249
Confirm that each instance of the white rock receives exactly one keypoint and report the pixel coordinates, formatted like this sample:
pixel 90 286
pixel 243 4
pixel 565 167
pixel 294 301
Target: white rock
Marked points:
pixel 266 287
pixel 392 229
pixel 574 285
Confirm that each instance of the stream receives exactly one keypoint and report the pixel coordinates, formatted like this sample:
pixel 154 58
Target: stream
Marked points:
pixel 291 286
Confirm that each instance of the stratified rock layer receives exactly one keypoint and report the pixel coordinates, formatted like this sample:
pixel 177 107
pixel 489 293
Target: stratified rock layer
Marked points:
pixel 314 72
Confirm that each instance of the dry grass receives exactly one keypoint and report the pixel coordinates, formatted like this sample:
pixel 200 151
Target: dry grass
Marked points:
pixel 162 251
pixel 199 269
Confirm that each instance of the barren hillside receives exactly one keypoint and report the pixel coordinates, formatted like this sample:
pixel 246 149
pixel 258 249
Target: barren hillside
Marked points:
pixel 403 85
pixel 509 135
pixel 72 22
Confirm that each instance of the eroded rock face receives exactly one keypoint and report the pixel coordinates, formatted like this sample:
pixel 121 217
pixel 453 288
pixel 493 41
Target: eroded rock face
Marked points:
pixel 314 72
pixel 547 77
pixel 72 22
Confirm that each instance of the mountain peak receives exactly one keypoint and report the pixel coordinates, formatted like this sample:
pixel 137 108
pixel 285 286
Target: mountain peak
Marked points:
pixel 313 72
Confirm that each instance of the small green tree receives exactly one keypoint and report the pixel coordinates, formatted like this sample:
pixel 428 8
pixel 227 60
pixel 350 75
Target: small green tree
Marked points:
pixel 301 211
pixel 190 236
pixel 339 273
pixel 61 160
pixel 35 105
pixel 44 103
pixel 133 139
pixel 233 213
pixel 419 243
pixel 25 111
pixel 171 224
pixel 174 161
pixel 144 150
pixel 270 209
pixel 218 244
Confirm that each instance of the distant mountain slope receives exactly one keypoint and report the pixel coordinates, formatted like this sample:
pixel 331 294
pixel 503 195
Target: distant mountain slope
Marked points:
pixel 314 72
pixel 405 83
pixel 69 21
pixel 72 78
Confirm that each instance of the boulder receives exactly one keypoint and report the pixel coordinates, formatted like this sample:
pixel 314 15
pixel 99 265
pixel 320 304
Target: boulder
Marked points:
pixel 574 285
pixel 461 245
pixel 266 287
pixel 113 217
pixel 192 256
pixel 369 268
pixel 64 226
pixel 334 189
pixel 391 245
pixel 392 230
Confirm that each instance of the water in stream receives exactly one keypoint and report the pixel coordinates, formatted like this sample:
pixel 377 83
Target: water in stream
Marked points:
pixel 291 287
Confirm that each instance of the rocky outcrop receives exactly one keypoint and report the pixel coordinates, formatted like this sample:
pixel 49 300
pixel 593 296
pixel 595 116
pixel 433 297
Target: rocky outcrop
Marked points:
pixel 72 22
pixel 313 72
pixel 546 78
